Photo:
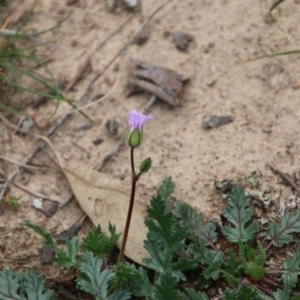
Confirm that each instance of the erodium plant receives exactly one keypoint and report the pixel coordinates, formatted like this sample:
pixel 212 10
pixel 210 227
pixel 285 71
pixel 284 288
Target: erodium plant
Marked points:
pixel 188 257
pixel 134 139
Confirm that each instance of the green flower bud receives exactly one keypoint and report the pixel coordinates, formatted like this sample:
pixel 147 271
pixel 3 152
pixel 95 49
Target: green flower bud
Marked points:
pixel 134 138
pixel 146 165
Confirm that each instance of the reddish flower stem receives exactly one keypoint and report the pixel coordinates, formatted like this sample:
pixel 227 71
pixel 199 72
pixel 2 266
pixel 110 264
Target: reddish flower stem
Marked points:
pixel 130 208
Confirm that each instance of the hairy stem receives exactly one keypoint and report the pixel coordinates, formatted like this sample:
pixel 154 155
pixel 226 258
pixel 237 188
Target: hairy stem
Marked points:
pixel 127 225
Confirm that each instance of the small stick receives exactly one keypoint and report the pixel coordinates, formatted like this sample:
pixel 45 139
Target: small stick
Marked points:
pixel 284 176
pixel 34 193
pixel 22 165
pixel 115 149
pixel 80 73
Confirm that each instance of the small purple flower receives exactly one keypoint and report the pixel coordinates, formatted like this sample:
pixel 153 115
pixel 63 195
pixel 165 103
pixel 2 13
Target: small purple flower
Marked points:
pixel 137 120
pixel 134 135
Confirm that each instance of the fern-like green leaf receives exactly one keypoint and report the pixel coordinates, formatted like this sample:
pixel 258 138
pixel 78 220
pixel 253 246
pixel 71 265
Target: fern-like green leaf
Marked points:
pixel 233 269
pixel 166 189
pixel 191 294
pixel 253 261
pixel 285 293
pixel 165 287
pixel 95 282
pixel 214 266
pixel 48 239
pixel 98 243
pixel 27 286
pixel 292 266
pixel 245 293
pixel 161 225
pixel 63 258
pixel 162 260
pixel 212 259
pixel 34 287
pixel 188 217
pixel 141 286
pixel 9 283
pixel 120 294
pixel 68 258
pixel 239 215
pixel 164 239
pixel 280 236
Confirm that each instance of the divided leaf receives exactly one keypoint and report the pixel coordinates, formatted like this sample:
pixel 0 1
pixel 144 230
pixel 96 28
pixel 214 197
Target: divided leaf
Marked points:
pixel 67 258
pixel 25 286
pixel 9 283
pixel 34 287
pixel 292 266
pixel 253 261
pixel 165 239
pixel 280 236
pixel 239 215
pixel 165 287
pixel 246 293
pixel 141 286
pixel 161 225
pixel 188 217
pixel 232 269
pixel 212 259
pixel 48 239
pixel 166 189
pixel 285 293
pixel 191 294
pixel 97 282
pixel 98 243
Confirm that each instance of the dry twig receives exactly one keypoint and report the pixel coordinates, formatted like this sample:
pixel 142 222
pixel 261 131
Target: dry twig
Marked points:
pixel 34 193
pixel 285 176
pixel 84 67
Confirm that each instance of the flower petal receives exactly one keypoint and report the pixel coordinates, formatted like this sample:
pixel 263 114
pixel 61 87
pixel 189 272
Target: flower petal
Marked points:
pixel 137 119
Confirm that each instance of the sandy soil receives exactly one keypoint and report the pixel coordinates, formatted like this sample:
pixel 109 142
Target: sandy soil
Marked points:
pixel 262 97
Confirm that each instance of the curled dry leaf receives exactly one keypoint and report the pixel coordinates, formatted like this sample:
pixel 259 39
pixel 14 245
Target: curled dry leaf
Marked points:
pixel 104 199
pixel 161 82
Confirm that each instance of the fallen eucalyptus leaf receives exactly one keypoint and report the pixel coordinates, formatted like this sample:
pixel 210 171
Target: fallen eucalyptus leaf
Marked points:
pixel 104 199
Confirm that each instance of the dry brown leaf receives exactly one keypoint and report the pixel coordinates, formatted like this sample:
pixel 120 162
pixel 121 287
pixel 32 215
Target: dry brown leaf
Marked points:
pixel 104 199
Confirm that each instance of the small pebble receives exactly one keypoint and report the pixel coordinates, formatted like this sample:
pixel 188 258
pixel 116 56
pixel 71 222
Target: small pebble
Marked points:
pixel 27 124
pixel 98 142
pixel 182 40
pixel 66 156
pixel 211 81
pixel 83 126
pixel 216 121
pixel 37 203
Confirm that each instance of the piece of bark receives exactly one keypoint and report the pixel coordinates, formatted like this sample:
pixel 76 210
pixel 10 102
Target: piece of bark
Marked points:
pixel 164 83
pixel 47 255
pixel 67 234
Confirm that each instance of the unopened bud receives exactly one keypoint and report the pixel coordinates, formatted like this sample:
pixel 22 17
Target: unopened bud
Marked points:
pixel 146 165
pixel 134 138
